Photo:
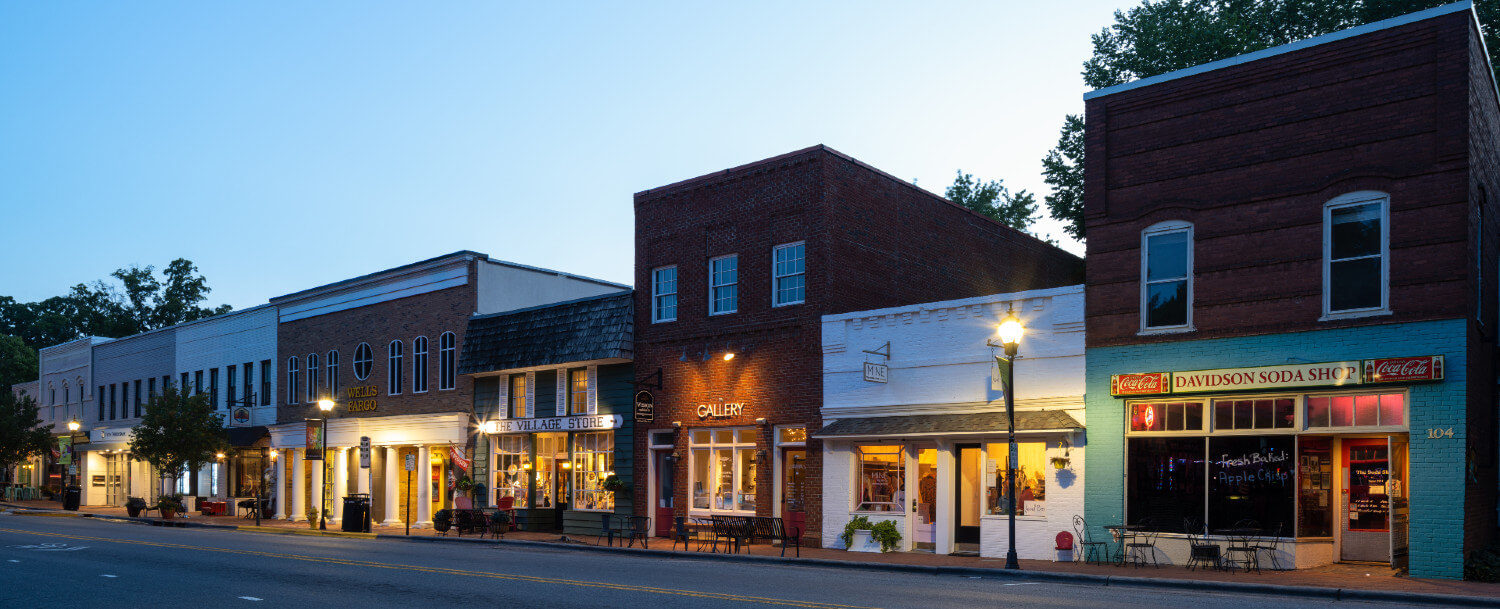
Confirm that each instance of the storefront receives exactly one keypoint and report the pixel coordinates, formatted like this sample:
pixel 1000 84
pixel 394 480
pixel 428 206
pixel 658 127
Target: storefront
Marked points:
pixel 1315 455
pixel 555 479
pixel 109 473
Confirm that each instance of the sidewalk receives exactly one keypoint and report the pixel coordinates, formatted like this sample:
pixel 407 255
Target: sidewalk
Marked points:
pixel 1333 577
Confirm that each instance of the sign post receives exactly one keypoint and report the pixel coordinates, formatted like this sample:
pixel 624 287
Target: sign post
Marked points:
pixel 411 466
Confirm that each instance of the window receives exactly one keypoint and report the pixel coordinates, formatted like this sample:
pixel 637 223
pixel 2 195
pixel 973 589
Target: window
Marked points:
pixel 1277 413
pixel 1356 410
pixel 518 396
pixel 512 467
pixel 593 461
pixel 419 365
pixel 1176 416
pixel 722 469
pixel 1250 478
pixel 578 391
pixel 66 397
pixel 364 359
pixel 1165 481
pixel 1031 478
pixel 265 382
pixel 1166 276
pixel 184 388
pixel 231 385
pixel 292 370
pixel 249 371
pixel 447 360
pixel 51 395
pixel 1355 243
pixel 789 277
pixel 881 479
pixel 124 401
pixel 393 367
pixel 213 388
pixel 664 294
pixel 112 402
pixel 333 373
pixel 312 378
pixel 137 395
pixel 100 398
pixel 198 382
pixel 723 288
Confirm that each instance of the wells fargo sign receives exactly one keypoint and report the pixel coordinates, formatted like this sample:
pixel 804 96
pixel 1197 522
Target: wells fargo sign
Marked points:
pixel 361 399
pixel 1322 374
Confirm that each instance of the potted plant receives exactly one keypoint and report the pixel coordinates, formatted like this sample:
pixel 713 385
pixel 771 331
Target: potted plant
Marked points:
pixel 1060 462
pixel 134 506
pixel 886 534
pixel 312 517
pixel 442 520
pixel 613 483
pixel 464 484
pixel 169 506
pixel 861 535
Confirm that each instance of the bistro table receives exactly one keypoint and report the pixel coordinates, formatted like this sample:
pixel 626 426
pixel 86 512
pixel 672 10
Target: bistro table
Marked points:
pixel 1240 537
pixel 1122 532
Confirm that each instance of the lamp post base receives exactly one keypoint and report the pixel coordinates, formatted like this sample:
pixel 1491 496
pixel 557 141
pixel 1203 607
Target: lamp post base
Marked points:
pixel 1010 560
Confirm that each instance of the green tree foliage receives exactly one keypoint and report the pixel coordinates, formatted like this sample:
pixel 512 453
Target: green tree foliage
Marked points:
pixel 17 362
pixel 21 432
pixel 140 301
pixel 178 430
pixel 1165 35
pixel 993 199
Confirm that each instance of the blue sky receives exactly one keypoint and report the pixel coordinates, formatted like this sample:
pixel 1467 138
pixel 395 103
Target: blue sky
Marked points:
pixel 283 146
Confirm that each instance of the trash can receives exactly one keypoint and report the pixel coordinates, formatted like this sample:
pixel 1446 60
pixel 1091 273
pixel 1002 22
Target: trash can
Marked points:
pixel 357 513
pixel 71 497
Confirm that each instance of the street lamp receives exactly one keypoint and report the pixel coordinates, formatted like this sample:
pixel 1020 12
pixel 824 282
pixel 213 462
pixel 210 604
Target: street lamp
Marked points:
pixel 73 426
pixel 1009 333
pixel 325 405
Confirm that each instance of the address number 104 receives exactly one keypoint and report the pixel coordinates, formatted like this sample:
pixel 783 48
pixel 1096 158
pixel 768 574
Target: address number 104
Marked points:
pixel 1440 433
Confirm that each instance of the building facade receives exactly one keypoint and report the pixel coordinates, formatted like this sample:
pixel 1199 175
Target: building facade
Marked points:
pixel 1291 298
pixel 65 393
pixel 127 372
pixel 734 271
pixel 553 395
pixel 384 348
pixel 915 422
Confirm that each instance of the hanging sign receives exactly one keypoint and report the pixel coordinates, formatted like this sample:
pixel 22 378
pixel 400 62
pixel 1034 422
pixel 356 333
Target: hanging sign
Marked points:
pixel 364 452
pixel 239 417
pixel 877 373
pixel 645 407
pixel 314 446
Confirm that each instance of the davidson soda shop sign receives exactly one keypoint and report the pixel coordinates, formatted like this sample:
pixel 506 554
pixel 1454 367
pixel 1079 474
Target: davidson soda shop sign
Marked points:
pixel 1323 374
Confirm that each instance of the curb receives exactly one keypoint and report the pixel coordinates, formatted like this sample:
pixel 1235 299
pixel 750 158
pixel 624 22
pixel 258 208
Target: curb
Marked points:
pixel 308 532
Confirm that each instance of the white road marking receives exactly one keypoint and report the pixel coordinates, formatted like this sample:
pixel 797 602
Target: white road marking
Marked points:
pixel 107 575
pixel 14 560
pixel 249 598
pixel 1025 584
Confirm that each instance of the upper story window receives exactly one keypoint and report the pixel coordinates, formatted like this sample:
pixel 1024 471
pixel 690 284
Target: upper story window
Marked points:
pixel 1356 245
pixel 447 362
pixel 394 353
pixel 292 370
pixel 66 399
pixel 364 359
pixel 664 294
pixel 52 395
pixel 265 382
pixel 789 274
pixel 1167 277
pixel 518 405
pixel 333 373
pixel 419 365
pixel 578 391
pixel 312 377
pixel 723 284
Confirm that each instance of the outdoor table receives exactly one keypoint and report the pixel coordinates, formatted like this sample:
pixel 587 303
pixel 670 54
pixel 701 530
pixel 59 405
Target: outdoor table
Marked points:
pixel 1242 535
pixel 1121 532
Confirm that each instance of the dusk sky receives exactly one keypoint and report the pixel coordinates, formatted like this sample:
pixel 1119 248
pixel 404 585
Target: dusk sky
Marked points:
pixel 284 147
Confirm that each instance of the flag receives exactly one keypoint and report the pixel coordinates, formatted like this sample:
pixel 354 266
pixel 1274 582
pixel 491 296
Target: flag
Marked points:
pixel 452 480
pixel 459 458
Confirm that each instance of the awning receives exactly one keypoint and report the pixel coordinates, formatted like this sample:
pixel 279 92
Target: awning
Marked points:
pixel 244 437
pixel 927 425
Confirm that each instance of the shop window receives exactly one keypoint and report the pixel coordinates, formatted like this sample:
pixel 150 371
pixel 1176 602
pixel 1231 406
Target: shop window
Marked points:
pixel 1174 416
pixel 1031 478
pixel 1355 246
pixel 723 286
pixel 1250 478
pixel 419 365
pixel 664 294
pixel 247 465
pixel 364 359
pixel 1356 410
pixel 512 467
pixel 1315 481
pixel 1167 276
pixel 447 362
pixel 881 479
pixel 395 355
pixel 1165 482
pixel 789 280
pixel 578 391
pixel 791 435
pixel 593 461
pixel 518 407
pixel 1278 413
pixel 722 469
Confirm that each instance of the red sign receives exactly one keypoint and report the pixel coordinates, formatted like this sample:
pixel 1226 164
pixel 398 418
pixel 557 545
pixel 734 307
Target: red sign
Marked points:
pixel 1404 369
pixel 1140 384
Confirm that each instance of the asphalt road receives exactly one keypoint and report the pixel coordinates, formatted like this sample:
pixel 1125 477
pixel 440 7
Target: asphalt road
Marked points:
pixel 84 563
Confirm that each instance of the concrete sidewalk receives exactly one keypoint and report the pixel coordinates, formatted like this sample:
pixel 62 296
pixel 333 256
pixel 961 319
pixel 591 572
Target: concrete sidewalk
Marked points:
pixel 1336 581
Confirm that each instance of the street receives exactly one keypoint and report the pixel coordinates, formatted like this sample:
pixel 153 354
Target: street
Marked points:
pixel 83 563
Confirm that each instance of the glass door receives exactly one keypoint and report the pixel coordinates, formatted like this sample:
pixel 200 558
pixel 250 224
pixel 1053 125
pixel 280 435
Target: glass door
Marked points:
pixel 1400 511
pixel 666 512
pixel 1366 519
pixel 970 484
pixel 924 533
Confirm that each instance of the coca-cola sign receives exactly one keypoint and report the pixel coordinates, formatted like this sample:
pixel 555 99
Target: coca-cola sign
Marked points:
pixel 1140 384
pixel 1404 369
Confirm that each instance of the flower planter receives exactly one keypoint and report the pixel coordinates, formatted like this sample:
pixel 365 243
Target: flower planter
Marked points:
pixel 168 514
pixel 863 542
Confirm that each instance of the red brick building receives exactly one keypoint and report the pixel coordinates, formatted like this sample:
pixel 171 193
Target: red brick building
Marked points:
pixel 734 271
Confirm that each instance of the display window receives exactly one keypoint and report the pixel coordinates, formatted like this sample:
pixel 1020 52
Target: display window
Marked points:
pixel 722 469
pixel 593 462
pixel 1031 478
pixel 881 479
pixel 1384 410
pixel 513 467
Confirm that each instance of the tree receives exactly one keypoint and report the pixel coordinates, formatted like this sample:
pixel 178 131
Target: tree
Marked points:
pixel 21 432
pixel 993 199
pixel 177 431
pixel 17 362
pixel 1165 35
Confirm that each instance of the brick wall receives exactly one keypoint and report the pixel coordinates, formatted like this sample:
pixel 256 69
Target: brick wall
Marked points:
pixel 1484 280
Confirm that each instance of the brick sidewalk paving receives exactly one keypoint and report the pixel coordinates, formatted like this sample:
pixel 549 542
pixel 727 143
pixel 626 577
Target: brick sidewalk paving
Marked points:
pixel 1346 576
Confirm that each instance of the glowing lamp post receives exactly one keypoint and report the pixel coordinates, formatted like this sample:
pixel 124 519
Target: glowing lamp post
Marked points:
pixel 325 405
pixel 1009 334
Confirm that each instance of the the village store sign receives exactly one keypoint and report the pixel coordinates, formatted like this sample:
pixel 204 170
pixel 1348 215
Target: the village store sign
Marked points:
pixel 1323 374
pixel 582 423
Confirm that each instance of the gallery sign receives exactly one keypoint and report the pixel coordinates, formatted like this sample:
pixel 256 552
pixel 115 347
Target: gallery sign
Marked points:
pixel 720 410
pixel 580 423
pixel 1282 376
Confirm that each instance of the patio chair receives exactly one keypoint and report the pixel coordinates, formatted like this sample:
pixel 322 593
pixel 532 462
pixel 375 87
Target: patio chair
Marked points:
pixel 1201 551
pixel 1142 545
pixel 638 527
pixel 680 533
pixel 1243 543
pixel 499 521
pixel 1094 551
pixel 606 532
pixel 1271 544
pixel 507 505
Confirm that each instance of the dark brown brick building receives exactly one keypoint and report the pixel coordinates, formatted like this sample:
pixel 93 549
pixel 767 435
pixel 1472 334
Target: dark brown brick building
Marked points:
pixel 742 264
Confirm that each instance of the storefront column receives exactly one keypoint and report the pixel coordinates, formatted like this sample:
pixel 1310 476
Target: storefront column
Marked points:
pixel 340 484
pixel 317 483
pixel 424 488
pixel 299 482
pixel 280 483
pixel 392 487
pixel 943 540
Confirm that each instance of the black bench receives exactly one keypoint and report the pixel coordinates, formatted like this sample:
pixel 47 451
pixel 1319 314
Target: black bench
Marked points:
pixel 776 529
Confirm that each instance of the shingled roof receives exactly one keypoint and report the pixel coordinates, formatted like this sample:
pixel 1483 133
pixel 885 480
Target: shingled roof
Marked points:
pixel 593 328
pixel 948 424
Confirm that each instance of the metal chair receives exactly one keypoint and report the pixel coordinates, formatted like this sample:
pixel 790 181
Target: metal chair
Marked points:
pixel 638 527
pixel 606 532
pixel 1142 544
pixel 1095 552
pixel 680 533
pixel 1200 550
pixel 1271 543
pixel 1243 543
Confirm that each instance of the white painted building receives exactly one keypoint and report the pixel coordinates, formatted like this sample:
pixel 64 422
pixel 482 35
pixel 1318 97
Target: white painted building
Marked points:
pixel 915 423
pixel 64 392
pixel 127 371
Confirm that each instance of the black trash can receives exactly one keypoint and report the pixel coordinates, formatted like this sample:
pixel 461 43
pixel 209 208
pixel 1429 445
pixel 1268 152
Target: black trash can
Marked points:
pixel 71 497
pixel 357 513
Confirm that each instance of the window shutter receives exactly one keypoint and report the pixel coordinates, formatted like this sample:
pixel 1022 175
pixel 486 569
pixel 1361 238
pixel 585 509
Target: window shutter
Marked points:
pixel 593 390
pixel 562 392
pixel 531 394
pixel 503 411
